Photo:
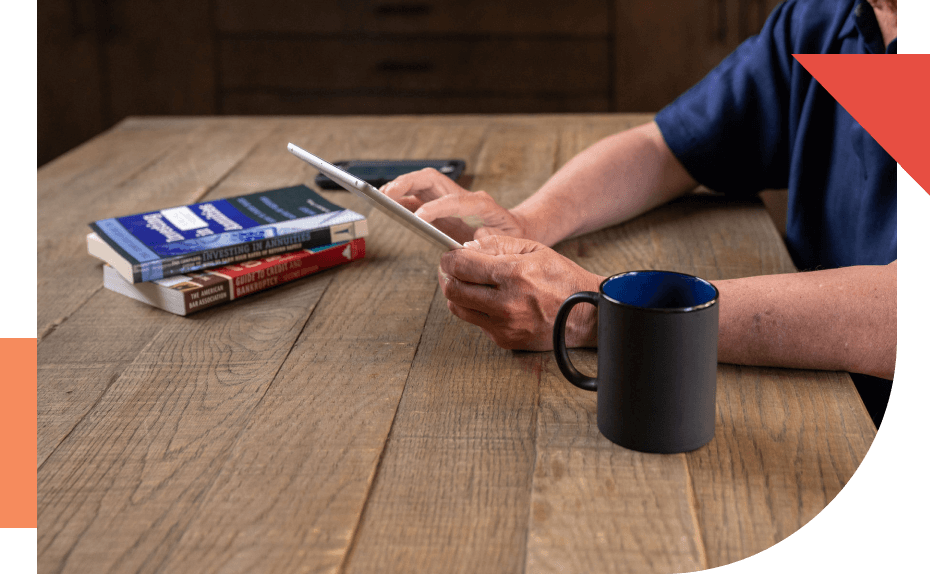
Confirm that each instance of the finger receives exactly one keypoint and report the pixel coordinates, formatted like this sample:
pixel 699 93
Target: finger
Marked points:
pixel 472 266
pixel 470 315
pixel 409 202
pixel 470 207
pixel 484 261
pixel 483 298
pixel 416 182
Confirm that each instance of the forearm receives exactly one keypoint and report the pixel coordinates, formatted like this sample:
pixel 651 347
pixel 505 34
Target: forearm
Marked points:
pixel 612 181
pixel 837 319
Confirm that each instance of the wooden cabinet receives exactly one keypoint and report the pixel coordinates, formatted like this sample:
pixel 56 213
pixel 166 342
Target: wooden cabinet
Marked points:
pixel 414 56
pixel 663 47
pixel 101 61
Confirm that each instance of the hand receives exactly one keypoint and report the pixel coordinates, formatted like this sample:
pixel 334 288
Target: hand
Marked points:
pixel 512 289
pixel 457 212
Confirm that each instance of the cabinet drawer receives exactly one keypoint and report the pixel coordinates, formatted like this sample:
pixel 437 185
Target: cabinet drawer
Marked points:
pixel 304 103
pixel 423 17
pixel 466 66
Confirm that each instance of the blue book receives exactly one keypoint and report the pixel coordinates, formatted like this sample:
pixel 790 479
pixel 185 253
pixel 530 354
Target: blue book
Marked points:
pixel 150 246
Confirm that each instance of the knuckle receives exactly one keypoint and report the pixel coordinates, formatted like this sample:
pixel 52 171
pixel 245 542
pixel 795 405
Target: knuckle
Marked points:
pixel 452 290
pixel 503 270
pixel 450 263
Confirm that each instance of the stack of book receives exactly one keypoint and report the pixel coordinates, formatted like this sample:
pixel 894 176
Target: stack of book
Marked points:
pixel 189 258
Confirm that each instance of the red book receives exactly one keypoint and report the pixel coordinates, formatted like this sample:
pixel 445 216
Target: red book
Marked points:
pixel 185 294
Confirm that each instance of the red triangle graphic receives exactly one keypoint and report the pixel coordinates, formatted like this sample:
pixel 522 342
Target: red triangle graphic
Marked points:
pixel 888 95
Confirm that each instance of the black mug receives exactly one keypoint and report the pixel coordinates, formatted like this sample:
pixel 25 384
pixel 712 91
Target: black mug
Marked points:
pixel 656 359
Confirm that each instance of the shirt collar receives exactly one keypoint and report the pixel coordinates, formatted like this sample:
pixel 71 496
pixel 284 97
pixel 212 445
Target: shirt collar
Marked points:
pixel 862 20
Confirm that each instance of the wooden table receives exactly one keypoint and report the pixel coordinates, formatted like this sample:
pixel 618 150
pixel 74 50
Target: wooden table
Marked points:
pixel 349 423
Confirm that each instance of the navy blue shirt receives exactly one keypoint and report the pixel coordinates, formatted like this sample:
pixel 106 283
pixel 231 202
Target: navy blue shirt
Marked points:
pixel 760 121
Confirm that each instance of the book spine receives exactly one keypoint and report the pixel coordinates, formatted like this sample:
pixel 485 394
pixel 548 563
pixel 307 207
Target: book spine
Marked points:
pixel 205 297
pixel 306 239
pixel 292 270
pixel 236 286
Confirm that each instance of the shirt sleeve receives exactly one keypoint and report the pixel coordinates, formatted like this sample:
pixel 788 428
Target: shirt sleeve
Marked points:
pixel 730 131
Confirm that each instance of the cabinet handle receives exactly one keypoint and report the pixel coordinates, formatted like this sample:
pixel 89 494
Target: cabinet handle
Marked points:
pixel 403 9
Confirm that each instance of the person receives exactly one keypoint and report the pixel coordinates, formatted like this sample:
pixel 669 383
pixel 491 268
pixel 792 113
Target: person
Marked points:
pixel 757 121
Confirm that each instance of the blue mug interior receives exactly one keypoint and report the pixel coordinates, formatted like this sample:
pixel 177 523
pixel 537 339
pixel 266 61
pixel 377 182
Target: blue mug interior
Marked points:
pixel 659 290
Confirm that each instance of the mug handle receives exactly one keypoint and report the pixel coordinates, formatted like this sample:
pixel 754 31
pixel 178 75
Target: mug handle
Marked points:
pixel 558 341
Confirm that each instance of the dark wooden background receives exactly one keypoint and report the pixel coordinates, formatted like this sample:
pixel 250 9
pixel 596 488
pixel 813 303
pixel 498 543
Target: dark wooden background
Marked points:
pixel 100 61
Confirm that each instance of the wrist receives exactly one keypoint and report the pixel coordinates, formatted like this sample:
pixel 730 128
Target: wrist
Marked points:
pixel 537 223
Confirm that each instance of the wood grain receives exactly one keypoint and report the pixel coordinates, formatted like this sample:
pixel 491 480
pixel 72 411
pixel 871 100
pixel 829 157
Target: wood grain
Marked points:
pixel 740 487
pixel 786 443
pixel 183 398
pixel 697 38
pixel 132 170
pixel 424 17
pixel 453 488
pixel 423 66
pixel 119 491
pixel 75 368
pixel 290 497
pixel 349 423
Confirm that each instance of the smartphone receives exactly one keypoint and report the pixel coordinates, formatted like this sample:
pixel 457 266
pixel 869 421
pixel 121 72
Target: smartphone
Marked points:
pixel 379 172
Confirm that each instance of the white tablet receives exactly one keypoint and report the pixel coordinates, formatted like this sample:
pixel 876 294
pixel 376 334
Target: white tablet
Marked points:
pixel 370 194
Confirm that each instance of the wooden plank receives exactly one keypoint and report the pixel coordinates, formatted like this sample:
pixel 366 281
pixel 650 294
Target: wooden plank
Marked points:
pixel 776 203
pixel 251 437
pixel 129 170
pixel 716 238
pixel 93 172
pixel 78 362
pixel 768 460
pixel 227 354
pixel 786 443
pixel 133 537
pixel 453 490
pixel 119 491
pixel 597 507
pixel 780 454
pixel 290 496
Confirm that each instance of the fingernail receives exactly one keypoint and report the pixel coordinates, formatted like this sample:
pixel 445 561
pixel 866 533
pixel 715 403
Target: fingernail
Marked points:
pixel 444 276
pixel 471 245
